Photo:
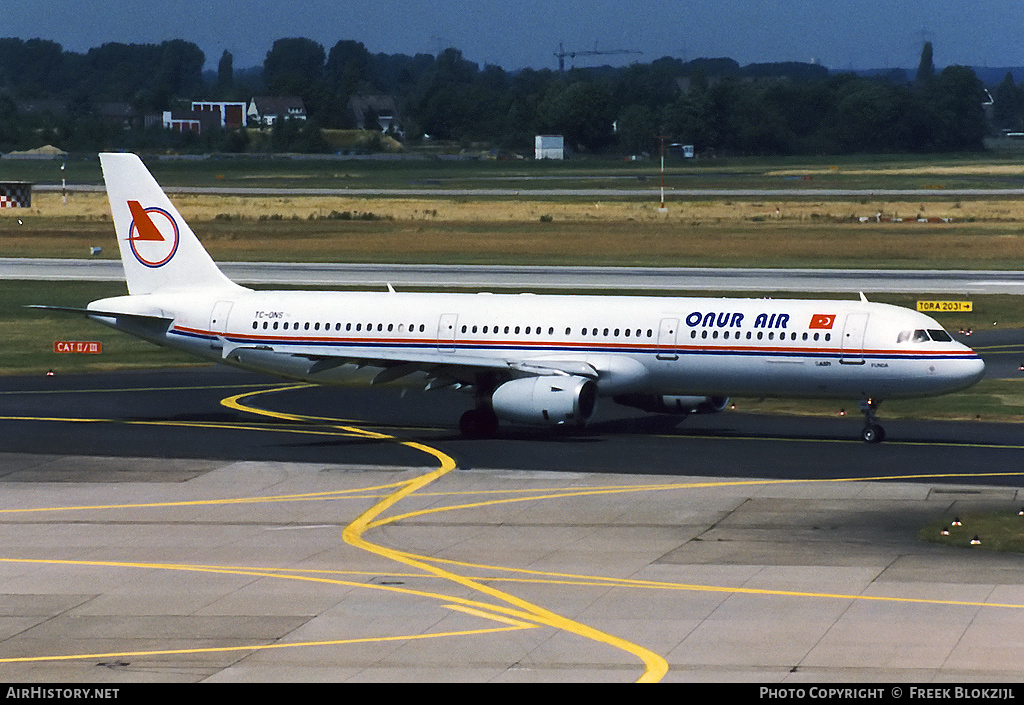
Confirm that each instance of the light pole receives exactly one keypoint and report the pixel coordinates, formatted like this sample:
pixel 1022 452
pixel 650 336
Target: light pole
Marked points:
pixel 663 209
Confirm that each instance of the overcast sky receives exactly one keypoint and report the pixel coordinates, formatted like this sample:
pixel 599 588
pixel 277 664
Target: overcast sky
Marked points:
pixel 514 34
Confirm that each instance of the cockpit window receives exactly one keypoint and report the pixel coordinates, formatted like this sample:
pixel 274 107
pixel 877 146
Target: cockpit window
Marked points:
pixel 923 336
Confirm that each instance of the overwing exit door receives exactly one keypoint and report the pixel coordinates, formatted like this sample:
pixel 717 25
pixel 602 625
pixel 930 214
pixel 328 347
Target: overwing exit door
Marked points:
pixel 667 339
pixel 446 332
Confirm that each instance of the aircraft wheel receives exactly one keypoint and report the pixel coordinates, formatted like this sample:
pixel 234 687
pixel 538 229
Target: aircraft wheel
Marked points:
pixel 479 423
pixel 873 433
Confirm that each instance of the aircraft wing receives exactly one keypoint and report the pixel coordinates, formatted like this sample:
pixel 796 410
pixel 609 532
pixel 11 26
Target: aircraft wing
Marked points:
pixel 438 366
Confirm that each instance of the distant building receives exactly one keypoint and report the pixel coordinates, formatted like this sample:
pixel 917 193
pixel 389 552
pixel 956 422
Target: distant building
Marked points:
pixel 549 147
pixel 194 121
pixel 231 115
pixel 380 111
pixel 204 115
pixel 266 110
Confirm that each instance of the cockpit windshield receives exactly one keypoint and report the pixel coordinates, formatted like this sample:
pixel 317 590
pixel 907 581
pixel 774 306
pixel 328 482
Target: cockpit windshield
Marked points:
pixel 923 336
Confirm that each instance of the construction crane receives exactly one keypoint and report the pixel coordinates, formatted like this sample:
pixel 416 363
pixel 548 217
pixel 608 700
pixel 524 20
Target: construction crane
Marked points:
pixel 562 53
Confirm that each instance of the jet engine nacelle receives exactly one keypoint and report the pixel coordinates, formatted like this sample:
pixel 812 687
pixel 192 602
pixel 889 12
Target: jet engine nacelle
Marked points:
pixel 548 400
pixel 661 404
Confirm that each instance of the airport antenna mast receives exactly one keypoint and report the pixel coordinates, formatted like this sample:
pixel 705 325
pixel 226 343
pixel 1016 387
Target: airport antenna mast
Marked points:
pixel 562 53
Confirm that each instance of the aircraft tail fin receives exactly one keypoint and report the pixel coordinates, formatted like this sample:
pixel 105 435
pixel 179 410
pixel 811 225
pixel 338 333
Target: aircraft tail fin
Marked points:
pixel 159 251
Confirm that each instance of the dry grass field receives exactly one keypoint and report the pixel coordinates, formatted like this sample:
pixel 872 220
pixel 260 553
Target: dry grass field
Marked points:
pixel 984 234
pixel 93 206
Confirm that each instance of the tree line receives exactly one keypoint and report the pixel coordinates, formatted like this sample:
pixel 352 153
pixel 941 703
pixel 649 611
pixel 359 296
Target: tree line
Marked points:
pixel 714 104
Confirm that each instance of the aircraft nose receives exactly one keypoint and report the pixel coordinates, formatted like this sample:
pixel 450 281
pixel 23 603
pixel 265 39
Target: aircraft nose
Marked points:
pixel 971 370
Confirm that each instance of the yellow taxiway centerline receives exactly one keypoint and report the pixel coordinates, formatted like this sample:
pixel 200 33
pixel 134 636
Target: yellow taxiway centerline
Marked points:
pixel 655 666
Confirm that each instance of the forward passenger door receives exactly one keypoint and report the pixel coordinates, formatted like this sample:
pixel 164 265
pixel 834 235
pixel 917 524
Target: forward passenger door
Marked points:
pixel 853 339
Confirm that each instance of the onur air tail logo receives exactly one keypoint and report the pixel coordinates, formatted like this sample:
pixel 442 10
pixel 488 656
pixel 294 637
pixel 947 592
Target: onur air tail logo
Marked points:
pixel 153 235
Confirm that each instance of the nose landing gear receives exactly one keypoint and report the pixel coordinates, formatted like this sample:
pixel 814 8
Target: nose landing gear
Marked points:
pixel 872 431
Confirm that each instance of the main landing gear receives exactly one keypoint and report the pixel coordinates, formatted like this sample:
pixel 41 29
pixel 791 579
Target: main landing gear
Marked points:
pixel 481 422
pixel 872 431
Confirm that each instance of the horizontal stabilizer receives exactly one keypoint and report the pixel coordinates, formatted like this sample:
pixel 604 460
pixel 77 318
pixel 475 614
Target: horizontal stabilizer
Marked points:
pixel 103 314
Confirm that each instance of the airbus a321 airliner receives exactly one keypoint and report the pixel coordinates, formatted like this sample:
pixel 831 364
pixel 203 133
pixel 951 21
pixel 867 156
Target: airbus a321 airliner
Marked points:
pixel 527 359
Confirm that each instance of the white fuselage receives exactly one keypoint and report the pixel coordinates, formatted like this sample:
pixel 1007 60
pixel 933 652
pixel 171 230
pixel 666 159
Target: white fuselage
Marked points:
pixel 635 344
